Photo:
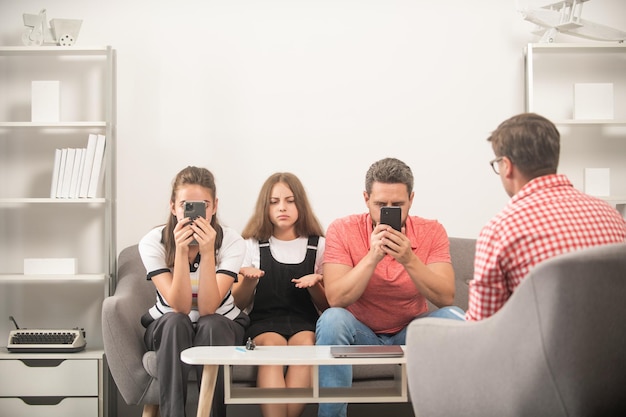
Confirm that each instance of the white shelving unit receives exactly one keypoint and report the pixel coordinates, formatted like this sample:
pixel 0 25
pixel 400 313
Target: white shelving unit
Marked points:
pixel 33 225
pixel 551 71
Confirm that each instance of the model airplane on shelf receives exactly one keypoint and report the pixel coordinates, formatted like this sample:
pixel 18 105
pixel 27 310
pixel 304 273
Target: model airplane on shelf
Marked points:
pixel 564 17
pixel 63 32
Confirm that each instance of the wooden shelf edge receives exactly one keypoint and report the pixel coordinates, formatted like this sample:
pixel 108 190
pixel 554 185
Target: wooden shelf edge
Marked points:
pixel 44 200
pixel 21 278
pixel 305 395
pixel 604 46
pixel 571 122
pixel 95 123
pixel 88 353
pixel 55 50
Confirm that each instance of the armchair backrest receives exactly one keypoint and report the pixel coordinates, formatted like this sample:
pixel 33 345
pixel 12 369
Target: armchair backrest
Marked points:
pixel 556 348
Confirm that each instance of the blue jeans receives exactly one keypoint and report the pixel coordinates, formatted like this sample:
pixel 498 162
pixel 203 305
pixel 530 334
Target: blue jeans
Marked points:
pixel 337 326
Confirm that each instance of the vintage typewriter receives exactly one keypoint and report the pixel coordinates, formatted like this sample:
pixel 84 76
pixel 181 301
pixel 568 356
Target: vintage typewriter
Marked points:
pixel 46 340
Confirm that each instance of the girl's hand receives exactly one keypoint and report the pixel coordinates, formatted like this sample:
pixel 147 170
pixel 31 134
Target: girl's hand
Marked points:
pixel 308 281
pixel 183 235
pixel 204 234
pixel 249 272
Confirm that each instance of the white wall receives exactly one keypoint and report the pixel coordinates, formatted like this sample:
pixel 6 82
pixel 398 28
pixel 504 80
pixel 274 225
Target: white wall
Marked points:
pixel 320 88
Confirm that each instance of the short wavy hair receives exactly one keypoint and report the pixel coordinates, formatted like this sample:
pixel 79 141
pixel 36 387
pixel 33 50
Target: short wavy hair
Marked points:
pixel 389 171
pixel 530 141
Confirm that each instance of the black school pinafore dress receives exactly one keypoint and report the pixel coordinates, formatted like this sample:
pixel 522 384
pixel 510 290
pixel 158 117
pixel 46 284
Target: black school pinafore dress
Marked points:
pixel 279 306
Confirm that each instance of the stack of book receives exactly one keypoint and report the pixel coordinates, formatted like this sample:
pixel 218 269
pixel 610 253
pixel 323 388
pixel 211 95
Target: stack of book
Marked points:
pixel 78 172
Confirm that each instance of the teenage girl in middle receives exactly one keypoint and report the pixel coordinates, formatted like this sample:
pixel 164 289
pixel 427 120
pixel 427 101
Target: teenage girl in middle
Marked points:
pixel 282 281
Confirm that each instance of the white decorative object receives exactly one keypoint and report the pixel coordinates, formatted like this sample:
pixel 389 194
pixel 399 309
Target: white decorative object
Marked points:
pixel 64 32
pixel 593 101
pixel 49 266
pixel 45 101
pixel 598 182
pixel 552 17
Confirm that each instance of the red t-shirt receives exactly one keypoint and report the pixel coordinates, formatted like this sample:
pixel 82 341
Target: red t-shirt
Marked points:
pixel 390 300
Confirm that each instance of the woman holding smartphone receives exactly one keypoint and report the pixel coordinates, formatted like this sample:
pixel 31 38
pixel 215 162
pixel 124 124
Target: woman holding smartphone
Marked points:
pixel 193 263
pixel 281 280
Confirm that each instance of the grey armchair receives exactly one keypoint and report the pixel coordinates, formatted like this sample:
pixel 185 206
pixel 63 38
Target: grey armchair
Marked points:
pixel 130 364
pixel 557 347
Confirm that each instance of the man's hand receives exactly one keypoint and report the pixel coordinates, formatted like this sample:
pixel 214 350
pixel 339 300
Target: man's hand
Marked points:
pixel 397 245
pixel 377 246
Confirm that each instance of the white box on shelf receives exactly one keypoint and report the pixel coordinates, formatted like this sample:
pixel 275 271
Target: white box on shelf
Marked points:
pixel 45 101
pixel 598 182
pixel 49 266
pixel 593 101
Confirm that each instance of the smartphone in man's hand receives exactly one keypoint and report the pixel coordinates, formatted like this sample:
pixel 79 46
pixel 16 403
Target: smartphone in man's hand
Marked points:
pixel 193 210
pixel 391 215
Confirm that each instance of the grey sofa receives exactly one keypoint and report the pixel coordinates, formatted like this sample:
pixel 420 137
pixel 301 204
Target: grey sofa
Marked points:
pixel 134 369
pixel 556 348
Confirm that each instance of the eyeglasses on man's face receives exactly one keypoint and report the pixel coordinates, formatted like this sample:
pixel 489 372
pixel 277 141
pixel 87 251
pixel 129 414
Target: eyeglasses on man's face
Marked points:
pixel 495 164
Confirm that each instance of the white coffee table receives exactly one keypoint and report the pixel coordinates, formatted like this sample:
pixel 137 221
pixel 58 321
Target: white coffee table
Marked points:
pixel 211 357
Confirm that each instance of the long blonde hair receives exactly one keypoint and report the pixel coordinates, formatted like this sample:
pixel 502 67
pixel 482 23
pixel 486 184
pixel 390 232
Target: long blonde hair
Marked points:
pixel 260 226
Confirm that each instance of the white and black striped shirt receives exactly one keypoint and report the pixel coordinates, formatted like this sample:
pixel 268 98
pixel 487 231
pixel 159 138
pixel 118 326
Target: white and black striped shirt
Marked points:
pixel 228 261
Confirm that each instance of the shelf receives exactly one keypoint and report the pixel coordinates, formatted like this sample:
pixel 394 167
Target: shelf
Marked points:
pixel 38 226
pixel 619 122
pixel 85 354
pixel 21 278
pixel 58 124
pixel 614 200
pixel 326 395
pixel 53 50
pixel 5 201
pixel 576 47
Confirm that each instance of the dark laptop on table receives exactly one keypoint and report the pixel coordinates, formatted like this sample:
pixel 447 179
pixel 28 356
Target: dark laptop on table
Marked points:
pixel 367 351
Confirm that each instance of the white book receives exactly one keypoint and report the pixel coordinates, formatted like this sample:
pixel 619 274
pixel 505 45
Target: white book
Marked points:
pixel 81 169
pixel 89 154
pixel 55 173
pixel 61 172
pixel 76 173
pixel 67 175
pixel 97 171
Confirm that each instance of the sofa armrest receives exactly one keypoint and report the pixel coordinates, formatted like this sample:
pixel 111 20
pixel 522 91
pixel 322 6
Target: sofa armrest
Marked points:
pixel 121 326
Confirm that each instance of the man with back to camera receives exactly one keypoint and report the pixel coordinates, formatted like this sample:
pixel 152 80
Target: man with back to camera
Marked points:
pixel 377 279
pixel 546 216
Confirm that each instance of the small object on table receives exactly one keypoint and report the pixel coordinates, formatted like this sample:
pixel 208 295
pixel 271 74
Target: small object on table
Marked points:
pixel 250 345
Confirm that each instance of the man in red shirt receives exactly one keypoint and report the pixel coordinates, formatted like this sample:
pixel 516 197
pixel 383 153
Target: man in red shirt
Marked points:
pixel 546 216
pixel 377 279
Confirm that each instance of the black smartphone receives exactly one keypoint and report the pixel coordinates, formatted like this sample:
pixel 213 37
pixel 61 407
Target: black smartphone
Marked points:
pixel 392 216
pixel 193 210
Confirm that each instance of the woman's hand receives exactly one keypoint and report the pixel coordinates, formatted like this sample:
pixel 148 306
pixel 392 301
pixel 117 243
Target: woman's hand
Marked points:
pixel 308 281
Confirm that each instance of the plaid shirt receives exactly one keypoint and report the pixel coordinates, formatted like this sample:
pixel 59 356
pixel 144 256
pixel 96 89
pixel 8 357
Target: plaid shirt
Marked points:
pixel 547 217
